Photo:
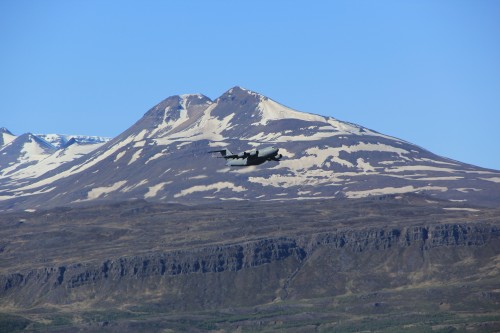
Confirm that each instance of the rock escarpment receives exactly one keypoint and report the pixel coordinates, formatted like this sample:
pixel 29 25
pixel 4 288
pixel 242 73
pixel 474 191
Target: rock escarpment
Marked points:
pixel 259 270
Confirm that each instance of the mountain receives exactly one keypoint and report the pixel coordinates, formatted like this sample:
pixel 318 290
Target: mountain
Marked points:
pixel 22 152
pixel 5 136
pixel 30 156
pixel 163 157
pixel 78 254
pixel 61 140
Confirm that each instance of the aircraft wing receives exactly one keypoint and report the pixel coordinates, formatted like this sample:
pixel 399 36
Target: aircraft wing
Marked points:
pixel 226 153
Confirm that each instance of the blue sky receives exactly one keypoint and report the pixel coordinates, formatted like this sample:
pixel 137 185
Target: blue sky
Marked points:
pixel 424 71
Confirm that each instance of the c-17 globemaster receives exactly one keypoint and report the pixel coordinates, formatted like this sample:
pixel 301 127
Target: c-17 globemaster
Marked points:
pixel 252 157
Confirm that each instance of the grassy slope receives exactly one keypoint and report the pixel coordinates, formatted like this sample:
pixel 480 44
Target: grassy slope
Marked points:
pixel 441 289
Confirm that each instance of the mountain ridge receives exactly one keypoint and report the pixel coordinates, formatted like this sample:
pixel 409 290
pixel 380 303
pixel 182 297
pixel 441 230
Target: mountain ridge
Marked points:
pixel 163 157
pixel 31 155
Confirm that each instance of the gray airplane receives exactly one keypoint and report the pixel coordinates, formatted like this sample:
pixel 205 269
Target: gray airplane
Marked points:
pixel 253 157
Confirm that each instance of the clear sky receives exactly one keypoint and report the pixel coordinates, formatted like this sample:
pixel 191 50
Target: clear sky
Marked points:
pixel 426 71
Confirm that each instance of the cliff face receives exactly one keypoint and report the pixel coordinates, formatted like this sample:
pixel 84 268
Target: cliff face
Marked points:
pixel 319 265
pixel 260 271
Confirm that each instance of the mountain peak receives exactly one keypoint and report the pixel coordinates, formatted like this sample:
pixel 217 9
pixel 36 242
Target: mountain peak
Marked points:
pixel 32 138
pixel 171 113
pixel 6 136
pixel 68 143
pixel 239 89
pixel 60 140
pixel 239 93
pixel 193 97
pixel 22 151
pixel 4 130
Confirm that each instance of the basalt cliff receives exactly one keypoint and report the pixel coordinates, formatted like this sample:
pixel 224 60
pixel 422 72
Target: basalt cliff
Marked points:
pixel 252 266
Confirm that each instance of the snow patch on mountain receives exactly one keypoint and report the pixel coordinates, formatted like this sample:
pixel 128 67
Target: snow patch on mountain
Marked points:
pixel 6 136
pixel 59 140
pixel 34 150
pixel 216 186
pixel 104 190
pixel 119 155
pixel 279 137
pixel 153 190
pixel 140 144
pixel 393 190
pixel 199 177
pixel 404 168
pixel 172 123
pixel 316 157
pixel 492 179
pixel 284 181
pixel 54 160
pixel 84 165
pixel 271 110
pixel 426 179
pixel 134 186
pixel 135 157
pixel 462 208
pixel 206 127
pixel 365 166
pixel 23 151
pixel 157 156
pixel 467 189
pixel 180 114
pixel 428 160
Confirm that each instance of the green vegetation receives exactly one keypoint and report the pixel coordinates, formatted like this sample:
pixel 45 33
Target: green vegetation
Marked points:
pixel 11 323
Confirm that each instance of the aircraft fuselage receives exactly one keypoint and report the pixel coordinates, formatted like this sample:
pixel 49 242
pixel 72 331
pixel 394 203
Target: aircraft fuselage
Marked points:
pixel 255 157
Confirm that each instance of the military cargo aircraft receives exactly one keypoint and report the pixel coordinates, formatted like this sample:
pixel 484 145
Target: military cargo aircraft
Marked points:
pixel 252 157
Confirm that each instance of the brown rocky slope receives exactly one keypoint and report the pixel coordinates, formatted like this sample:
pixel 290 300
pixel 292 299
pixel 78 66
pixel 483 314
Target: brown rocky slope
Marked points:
pixel 252 266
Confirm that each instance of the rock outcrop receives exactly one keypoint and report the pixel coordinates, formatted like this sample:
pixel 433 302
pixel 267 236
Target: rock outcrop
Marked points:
pixel 275 262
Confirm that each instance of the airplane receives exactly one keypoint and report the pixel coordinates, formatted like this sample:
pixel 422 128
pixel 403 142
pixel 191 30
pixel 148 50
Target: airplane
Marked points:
pixel 253 157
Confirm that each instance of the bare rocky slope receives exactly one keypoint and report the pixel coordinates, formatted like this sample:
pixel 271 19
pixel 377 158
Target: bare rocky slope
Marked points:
pixel 137 265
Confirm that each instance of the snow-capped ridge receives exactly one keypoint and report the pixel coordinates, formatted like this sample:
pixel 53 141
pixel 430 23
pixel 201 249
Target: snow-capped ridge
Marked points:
pixel 33 138
pixel 238 93
pixel 5 130
pixel 70 142
pixel 6 136
pixel 174 113
pixel 271 110
pixel 191 97
pixel 60 140
pixel 23 151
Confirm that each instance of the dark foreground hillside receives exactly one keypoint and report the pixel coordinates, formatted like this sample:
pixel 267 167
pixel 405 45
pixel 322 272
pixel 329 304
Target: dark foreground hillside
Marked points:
pixel 390 264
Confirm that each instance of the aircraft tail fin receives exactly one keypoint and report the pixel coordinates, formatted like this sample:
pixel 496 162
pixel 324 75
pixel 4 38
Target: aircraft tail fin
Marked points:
pixel 226 152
